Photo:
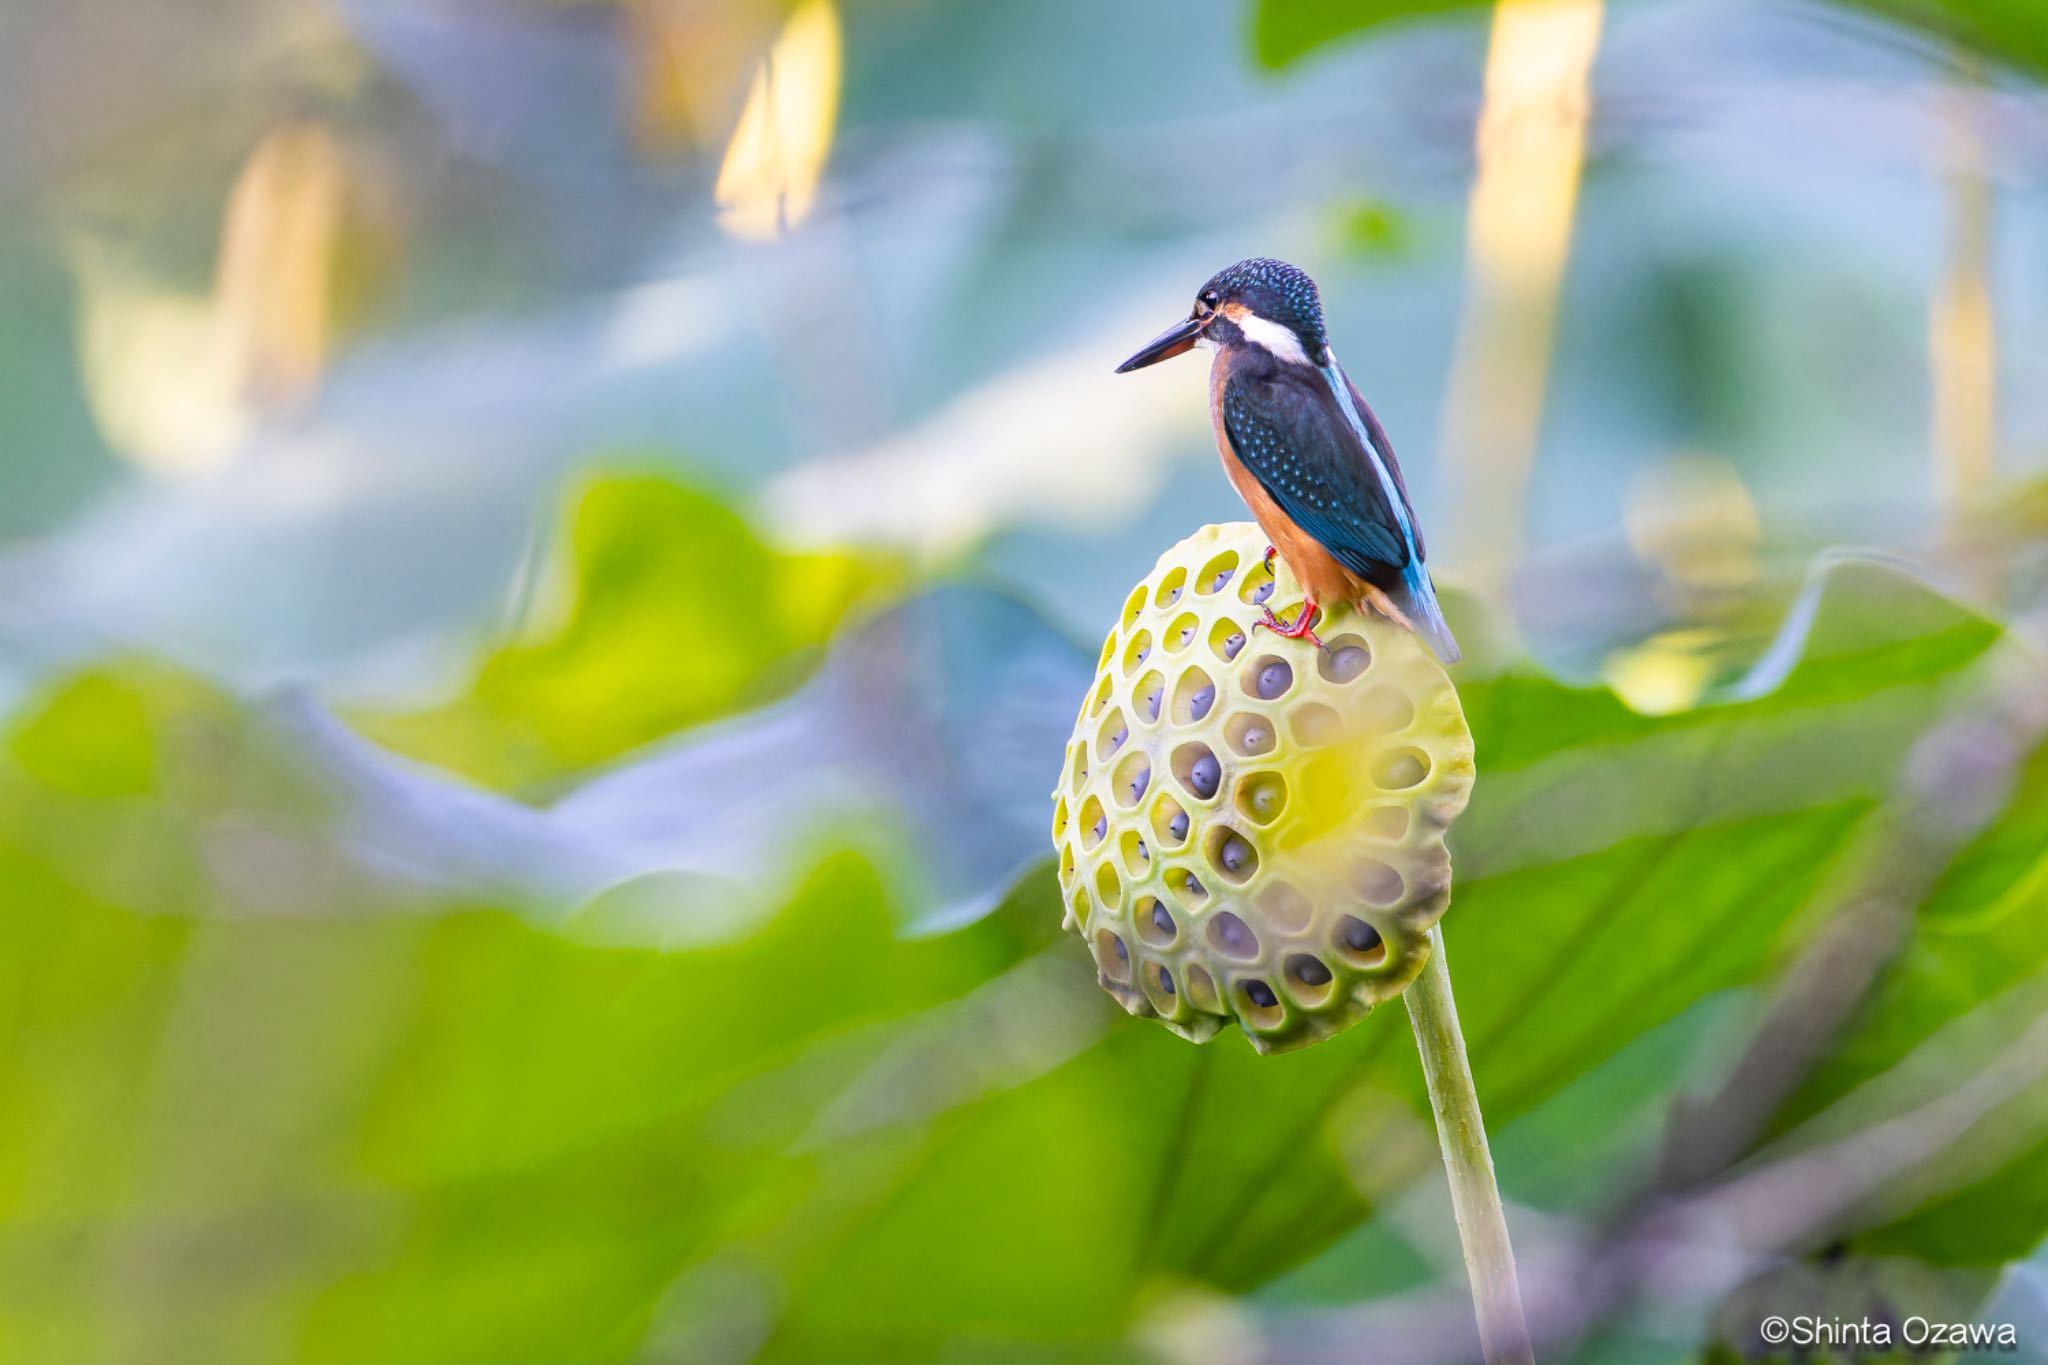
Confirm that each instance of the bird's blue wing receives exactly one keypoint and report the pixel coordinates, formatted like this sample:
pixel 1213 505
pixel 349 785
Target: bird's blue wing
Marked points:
pixel 1304 452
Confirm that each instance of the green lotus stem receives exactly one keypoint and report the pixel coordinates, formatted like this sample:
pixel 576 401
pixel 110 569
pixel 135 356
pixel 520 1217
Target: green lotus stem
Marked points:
pixel 1461 1132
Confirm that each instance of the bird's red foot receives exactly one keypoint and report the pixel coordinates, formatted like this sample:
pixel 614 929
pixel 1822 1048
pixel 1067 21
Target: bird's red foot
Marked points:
pixel 1268 559
pixel 1303 626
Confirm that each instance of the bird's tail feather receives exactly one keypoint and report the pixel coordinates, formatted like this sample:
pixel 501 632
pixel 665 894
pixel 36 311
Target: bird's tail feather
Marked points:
pixel 1424 613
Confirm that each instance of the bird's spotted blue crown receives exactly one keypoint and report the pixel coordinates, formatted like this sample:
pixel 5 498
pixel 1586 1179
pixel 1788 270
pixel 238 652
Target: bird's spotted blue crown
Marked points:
pixel 1276 290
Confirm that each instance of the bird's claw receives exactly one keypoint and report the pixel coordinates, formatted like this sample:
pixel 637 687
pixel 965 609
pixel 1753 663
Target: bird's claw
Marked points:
pixel 1267 558
pixel 1303 627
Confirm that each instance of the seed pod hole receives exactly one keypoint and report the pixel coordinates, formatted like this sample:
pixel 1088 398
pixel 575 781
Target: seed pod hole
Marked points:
pixel 1399 769
pixel 1343 658
pixel 1285 908
pixel 1250 734
pixel 1194 696
pixel 1202 993
pixel 1066 862
pixel 1133 604
pixel 1232 937
pixel 1108 652
pixel 1190 886
pixel 1259 1006
pixel 1261 797
pixel 1059 819
pixel 1110 738
pixel 1158 982
pixel 1378 883
pixel 1150 692
pixel 1137 858
pixel 1094 824
pixel 1232 855
pixel 1133 778
pixel 1164 980
pixel 1077 770
pixel 1108 887
pixel 1359 943
pixel 1315 725
pixel 1112 956
pixel 1226 639
pixel 1268 677
pixel 1169 823
pixel 1255 585
pixel 1182 632
pixel 1171 587
pixel 1196 769
pixel 1103 690
pixel 1135 653
pixel 1386 710
pixel 1308 978
pixel 1215 575
pixel 1155 922
pixel 1387 823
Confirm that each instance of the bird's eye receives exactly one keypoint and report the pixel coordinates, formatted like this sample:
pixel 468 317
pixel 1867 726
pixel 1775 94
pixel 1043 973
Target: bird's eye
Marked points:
pixel 1205 304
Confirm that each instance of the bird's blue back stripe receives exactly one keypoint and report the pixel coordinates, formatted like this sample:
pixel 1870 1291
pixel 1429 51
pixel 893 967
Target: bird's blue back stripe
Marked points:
pixel 1342 392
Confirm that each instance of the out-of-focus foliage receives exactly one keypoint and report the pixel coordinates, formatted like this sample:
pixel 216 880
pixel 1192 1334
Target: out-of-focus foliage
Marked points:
pixel 2015 31
pixel 354 1119
pixel 1970 981
pixel 662 610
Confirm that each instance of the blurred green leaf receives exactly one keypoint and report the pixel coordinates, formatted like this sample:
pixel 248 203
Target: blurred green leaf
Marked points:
pixel 664 611
pixel 2015 31
pixel 1283 31
pixel 1972 974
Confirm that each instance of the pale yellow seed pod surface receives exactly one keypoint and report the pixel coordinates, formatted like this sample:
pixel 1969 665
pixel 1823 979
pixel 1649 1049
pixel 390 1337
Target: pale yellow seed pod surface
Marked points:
pixel 1249 828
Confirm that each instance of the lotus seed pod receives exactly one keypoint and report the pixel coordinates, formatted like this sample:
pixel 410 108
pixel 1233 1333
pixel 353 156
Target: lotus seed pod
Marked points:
pixel 1248 827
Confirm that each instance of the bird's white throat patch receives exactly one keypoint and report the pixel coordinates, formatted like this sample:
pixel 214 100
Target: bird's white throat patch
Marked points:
pixel 1281 341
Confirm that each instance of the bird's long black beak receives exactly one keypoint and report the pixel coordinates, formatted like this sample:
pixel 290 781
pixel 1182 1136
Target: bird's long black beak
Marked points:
pixel 1172 342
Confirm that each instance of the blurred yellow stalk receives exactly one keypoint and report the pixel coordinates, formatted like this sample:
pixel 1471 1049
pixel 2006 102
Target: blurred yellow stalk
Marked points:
pixel 768 181
pixel 1531 145
pixel 1962 343
pixel 177 380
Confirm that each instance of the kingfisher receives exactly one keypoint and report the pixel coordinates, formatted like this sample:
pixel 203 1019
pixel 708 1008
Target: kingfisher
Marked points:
pixel 1304 451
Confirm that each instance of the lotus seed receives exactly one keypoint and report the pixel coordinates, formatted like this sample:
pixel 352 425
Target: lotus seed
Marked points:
pixel 1163 922
pixel 1309 971
pixel 1222 577
pixel 1232 643
pixel 1233 936
pixel 1260 994
pixel 1166 981
pixel 1178 826
pixel 1203 698
pixel 1261 593
pixel 1346 662
pixel 1264 796
pixel 1359 936
pixel 1205 775
pixel 1275 677
pixel 1236 855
